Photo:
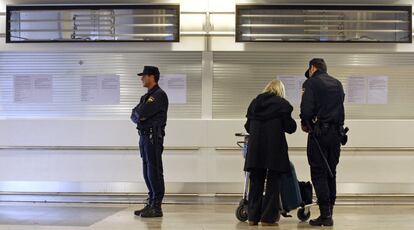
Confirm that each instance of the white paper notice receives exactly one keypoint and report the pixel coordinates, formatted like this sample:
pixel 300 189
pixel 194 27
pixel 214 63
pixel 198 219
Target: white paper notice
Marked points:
pixel 367 90
pixel 356 90
pixel 175 85
pixel 100 90
pixel 377 90
pixel 293 87
pixel 33 89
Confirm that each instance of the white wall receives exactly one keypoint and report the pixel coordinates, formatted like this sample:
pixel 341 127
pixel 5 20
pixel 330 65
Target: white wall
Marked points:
pixel 203 170
pixel 197 159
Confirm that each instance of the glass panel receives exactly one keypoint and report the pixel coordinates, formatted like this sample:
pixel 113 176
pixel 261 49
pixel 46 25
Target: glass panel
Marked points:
pixel 108 23
pixel 324 23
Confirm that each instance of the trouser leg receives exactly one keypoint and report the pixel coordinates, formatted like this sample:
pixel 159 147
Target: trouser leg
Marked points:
pixel 257 178
pixel 270 205
pixel 319 173
pixel 334 154
pixel 155 170
pixel 325 185
pixel 145 168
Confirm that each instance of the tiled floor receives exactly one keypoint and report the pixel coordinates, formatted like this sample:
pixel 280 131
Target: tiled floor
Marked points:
pixel 54 215
pixel 29 216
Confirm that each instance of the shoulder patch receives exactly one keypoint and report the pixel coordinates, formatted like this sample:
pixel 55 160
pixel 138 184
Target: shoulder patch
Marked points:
pixel 151 99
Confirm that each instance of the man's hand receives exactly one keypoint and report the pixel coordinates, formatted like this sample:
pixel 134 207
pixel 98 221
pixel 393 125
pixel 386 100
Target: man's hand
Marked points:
pixel 134 117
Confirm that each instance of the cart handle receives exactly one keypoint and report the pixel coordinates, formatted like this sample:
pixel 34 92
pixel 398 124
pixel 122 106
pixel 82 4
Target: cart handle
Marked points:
pixel 241 144
pixel 241 134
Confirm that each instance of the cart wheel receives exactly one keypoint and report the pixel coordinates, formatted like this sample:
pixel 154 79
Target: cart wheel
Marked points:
pixel 304 214
pixel 241 213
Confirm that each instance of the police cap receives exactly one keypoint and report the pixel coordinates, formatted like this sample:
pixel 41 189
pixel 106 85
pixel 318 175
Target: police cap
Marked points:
pixel 151 70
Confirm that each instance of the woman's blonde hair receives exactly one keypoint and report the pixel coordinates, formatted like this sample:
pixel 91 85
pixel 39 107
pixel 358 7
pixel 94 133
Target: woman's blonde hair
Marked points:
pixel 276 87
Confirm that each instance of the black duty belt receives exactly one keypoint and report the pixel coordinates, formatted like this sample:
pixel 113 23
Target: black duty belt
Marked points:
pixel 326 124
pixel 145 132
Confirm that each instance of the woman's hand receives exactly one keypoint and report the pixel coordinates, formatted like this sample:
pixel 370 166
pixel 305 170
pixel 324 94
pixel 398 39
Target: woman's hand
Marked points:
pixel 305 128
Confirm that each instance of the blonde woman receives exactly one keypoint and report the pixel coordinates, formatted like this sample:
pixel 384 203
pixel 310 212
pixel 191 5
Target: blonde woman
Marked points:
pixel 269 117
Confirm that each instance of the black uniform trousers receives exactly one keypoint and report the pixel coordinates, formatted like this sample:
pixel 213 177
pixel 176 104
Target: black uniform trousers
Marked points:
pixel 263 208
pixel 151 154
pixel 324 184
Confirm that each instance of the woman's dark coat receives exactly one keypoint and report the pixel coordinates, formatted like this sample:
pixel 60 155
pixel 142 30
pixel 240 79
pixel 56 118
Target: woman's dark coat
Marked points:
pixel 268 118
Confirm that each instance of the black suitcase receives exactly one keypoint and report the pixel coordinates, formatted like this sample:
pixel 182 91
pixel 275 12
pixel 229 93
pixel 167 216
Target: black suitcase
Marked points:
pixel 290 193
pixel 306 192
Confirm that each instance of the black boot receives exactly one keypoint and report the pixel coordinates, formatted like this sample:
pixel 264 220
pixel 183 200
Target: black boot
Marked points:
pixel 147 206
pixel 154 211
pixel 325 219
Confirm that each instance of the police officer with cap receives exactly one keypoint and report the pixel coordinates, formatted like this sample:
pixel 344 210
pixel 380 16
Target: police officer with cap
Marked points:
pixel 322 117
pixel 150 116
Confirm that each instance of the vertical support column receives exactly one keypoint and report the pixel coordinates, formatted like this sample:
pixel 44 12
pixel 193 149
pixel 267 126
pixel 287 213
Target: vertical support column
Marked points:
pixel 207 154
pixel 2 20
pixel 207 85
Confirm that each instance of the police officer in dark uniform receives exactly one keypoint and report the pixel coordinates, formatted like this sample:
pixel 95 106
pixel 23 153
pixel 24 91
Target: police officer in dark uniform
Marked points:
pixel 322 116
pixel 150 116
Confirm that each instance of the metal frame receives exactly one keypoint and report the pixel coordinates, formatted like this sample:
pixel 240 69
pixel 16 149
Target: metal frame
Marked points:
pixel 382 8
pixel 112 187
pixel 89 148
pixel 9 8
pixel 346 149
pixel 192 148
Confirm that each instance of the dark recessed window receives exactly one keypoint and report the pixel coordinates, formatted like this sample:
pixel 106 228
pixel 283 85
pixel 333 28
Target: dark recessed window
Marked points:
pixel 93 23
pixel 317 23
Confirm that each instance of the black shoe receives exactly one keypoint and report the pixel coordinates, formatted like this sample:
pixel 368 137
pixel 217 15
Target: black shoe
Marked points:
pixel 322 221
pixel 325 219
pixel 152 212
pixel 138 212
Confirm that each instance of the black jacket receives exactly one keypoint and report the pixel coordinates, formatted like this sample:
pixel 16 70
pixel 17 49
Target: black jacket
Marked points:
pixel 151 110
pixel 322 100
pixel 268 118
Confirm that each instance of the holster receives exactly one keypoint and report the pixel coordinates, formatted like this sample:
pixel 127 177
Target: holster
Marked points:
pixel 343 134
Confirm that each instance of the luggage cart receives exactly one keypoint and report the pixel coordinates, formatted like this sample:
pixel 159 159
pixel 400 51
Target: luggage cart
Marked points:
pixel 303 210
